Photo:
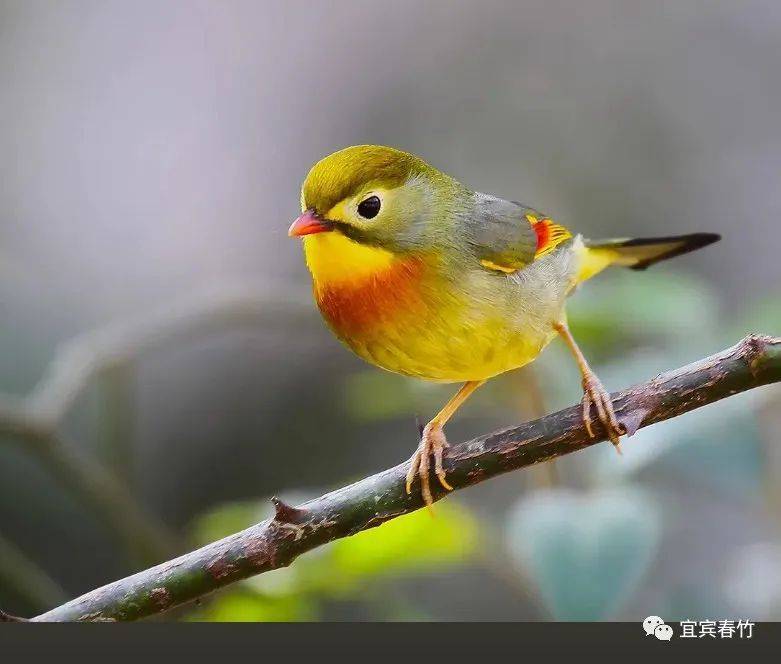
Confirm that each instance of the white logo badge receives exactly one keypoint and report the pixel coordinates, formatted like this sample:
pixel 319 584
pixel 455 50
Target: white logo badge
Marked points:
pixel 656 626
pixel 651 623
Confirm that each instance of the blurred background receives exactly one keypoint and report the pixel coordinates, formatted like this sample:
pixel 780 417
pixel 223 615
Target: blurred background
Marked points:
pixel 164 370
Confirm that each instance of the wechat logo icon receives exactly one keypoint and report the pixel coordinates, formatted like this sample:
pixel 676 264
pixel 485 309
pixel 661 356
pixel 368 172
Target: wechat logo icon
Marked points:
pixel 656 626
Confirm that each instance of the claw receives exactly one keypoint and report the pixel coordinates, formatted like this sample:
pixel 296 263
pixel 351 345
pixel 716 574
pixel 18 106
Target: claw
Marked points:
pixel 594 393
pixel 432 443
pixel 438 470
pixel 423 473
pixel 586 415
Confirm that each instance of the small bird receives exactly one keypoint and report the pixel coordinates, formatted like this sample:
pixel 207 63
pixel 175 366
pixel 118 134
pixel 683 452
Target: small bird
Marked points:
pixel 422 276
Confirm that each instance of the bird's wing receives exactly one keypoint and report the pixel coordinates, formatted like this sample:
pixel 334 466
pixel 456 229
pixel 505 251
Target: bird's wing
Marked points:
pixel 506 236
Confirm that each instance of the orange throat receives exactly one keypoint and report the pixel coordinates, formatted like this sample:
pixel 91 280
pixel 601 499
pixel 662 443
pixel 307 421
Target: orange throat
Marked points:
pixel 361 290
pixel 386 298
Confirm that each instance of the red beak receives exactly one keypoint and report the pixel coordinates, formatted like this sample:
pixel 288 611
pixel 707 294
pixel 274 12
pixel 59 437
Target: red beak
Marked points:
pixel 309 223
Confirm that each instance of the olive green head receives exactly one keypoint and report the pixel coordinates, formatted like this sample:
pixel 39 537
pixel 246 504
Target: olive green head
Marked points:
pixel 375 195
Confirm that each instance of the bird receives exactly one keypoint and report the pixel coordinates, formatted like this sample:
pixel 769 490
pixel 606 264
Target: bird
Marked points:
pixel 422 276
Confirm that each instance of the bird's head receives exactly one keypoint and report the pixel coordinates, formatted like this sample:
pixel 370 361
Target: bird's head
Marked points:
pixel 375 196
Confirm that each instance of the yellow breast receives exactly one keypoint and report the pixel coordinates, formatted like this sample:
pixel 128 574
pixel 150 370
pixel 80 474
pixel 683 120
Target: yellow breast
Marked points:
pixel 334 259
pixel 400 313
pixel 360 290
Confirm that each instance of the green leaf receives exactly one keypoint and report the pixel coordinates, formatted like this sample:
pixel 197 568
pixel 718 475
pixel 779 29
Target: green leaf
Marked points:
pixel 245 606
pixel 585 552
pixel 410 543
pixel 416 543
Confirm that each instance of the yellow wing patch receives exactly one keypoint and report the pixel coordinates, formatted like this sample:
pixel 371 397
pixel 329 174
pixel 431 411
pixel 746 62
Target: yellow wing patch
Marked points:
pixel 499 268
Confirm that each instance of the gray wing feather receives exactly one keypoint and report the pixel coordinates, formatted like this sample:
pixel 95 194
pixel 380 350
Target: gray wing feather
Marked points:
pixel 499 232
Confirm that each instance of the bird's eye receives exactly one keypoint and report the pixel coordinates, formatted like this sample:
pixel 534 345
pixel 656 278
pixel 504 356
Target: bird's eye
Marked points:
pixel 369 207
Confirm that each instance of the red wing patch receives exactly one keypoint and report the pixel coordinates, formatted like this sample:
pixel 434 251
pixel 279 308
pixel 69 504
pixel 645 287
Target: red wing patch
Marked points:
pixel 549 234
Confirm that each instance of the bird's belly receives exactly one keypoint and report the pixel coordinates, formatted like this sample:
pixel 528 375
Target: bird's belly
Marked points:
pixel 451 345
pixel 476 354
pixel 473 329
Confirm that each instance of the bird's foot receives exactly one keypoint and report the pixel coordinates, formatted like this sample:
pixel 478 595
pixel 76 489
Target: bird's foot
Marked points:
pixel 595 394
pixel 432 444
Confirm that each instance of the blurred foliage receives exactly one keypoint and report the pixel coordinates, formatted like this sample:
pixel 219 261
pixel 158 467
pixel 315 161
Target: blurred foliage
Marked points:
pixel 585 553
pixel 351 569
pixel 651 307
pixel 761 315
pixel 376 395
pixel 717 446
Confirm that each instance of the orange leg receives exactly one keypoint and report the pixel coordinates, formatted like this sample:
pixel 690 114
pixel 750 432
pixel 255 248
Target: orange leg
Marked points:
pixel 433 443
pixel 593 392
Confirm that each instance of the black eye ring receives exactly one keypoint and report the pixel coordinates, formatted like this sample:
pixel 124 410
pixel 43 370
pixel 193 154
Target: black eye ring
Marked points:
pixel 369 207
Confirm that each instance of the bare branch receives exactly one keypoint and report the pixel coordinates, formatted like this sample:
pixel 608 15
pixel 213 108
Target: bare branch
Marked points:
pixel 7 617
pixel 77 362
pixel 370 502
pixel 34 420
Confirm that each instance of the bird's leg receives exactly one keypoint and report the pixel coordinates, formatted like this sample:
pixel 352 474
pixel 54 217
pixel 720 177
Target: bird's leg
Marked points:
pixel 433 443
pixel 593 392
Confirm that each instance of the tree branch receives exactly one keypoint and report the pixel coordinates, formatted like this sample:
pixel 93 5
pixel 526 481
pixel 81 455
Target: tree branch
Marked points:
pixel 34 419
pixel 81 359
pixel 278 541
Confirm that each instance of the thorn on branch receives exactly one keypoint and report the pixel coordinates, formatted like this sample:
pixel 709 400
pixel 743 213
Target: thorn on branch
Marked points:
pixel 284 513
pixel 754 345
pixel 633 421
